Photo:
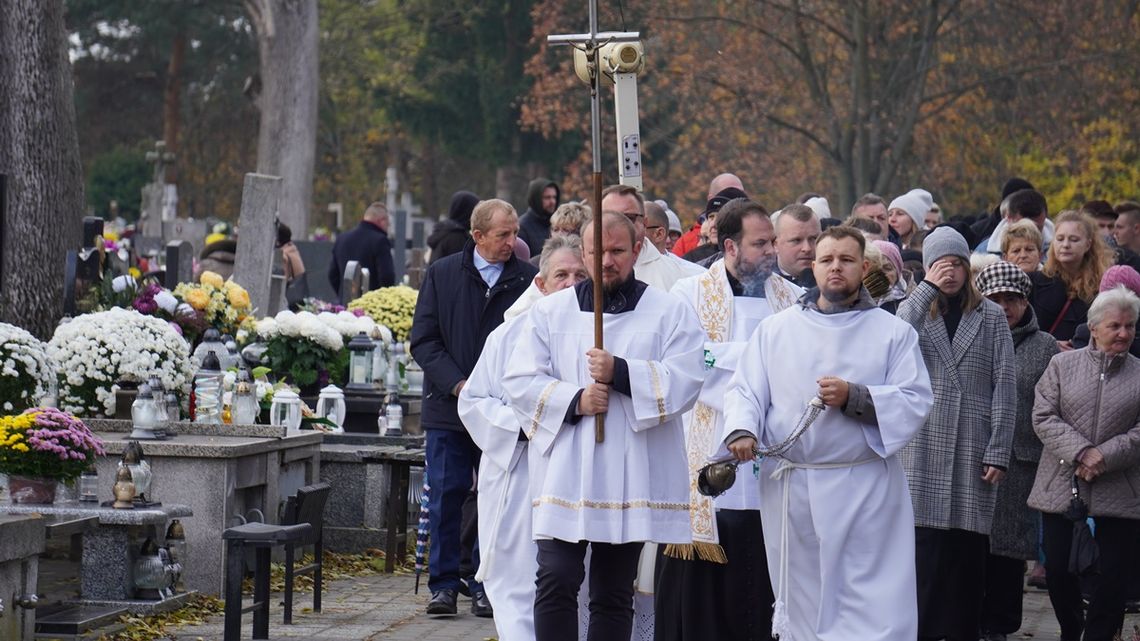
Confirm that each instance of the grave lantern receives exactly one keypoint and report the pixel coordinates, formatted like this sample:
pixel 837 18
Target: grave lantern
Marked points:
pixel 134 460
pixel 330 405
pixel 360 363
pixel 286 410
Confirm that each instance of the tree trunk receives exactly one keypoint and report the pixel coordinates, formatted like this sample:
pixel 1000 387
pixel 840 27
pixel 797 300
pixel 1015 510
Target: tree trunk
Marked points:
pixel 171 104
pixel 287 42
pixel 40 156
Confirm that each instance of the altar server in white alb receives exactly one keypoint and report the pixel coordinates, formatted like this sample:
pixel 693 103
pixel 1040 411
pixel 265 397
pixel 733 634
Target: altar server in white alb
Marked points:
pixel 632 487
pixel 718 587
pixel 837 515
pixel 507 564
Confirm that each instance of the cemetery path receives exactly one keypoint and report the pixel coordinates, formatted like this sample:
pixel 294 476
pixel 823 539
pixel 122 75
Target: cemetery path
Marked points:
pixel 382 607
pixel 374 607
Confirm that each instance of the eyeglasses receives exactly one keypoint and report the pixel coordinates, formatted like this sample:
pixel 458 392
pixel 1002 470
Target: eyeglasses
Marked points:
pixel 633 217
pixel 655 227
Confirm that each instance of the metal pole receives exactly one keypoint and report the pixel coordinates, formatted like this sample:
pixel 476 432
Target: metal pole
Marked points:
pixel 596 148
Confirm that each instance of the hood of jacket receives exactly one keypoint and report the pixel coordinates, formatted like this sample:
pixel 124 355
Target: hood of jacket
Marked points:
pixel 534 196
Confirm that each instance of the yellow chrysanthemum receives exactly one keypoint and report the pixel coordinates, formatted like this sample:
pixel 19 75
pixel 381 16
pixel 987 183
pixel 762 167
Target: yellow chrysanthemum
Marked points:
pixel 239 297
pixel 213 279
pixel 198 299
pixel 135 273
pixel 20 447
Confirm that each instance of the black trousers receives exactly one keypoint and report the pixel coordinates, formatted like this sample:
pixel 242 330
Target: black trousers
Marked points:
pixel 700 600
pixel 1005 588
pixel 951 572
pixel 1116 540
pixel 613 569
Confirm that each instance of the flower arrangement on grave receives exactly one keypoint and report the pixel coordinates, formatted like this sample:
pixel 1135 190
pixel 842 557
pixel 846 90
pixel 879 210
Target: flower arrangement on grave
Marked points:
pixel 223 303
pixel 94 352
pixel 46 443
pixel 303 348
pixel 26 372
pixel 392 307
pixel 316 306
pixel 348 324
pixel 153 299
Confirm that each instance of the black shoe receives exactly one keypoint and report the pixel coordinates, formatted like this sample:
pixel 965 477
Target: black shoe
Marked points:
pixel 480 605
pixel 464 588
pixel 442 602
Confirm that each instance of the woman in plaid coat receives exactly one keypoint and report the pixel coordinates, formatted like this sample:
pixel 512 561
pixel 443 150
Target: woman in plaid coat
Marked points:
pixel 962 452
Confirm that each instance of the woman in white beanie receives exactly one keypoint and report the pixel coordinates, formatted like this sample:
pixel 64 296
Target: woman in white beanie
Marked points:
pixel 954 463
pixel 907 214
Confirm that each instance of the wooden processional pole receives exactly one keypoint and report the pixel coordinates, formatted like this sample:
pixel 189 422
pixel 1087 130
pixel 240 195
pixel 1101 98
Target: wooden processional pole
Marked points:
pixel 591 44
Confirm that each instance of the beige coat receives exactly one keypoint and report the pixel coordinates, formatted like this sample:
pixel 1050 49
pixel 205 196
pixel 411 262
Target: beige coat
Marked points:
pixel 1086 399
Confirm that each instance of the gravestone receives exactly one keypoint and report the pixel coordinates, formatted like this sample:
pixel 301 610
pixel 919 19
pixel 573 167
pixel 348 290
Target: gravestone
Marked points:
pixel 317 256
pixel 179 263
pixel 419 234
pixel 146 246
pixel 83 268
pixel 253 262
pixel 400 243
pixel 352 283
pixel 188 229
pixel 159 200
pixel 92 231
pixel 337 210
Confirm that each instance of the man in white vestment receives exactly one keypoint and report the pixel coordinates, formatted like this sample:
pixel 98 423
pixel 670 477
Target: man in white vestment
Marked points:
pixel 653 268
pixel 507 564
pixel 630 488
pixel 657 234
pixel 836 510
pixel 718 587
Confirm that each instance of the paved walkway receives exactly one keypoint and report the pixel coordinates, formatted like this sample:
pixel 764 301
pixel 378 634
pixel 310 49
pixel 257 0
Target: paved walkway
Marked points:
pixel 383 607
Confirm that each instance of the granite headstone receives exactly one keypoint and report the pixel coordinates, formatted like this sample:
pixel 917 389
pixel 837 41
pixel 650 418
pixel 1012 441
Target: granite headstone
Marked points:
pixel 257 236
pixel 179 263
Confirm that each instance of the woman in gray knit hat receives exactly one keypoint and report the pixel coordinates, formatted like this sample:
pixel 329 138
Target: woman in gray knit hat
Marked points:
pixel 1013 537
pixel 963 451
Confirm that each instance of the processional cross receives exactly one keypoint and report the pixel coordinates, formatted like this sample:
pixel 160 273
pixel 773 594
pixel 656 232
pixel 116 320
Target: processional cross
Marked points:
pixel 620 52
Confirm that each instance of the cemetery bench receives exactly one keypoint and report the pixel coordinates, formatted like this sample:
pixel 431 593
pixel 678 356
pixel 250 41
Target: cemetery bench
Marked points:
pixel 110 546
pixel 400 463
pixel 304 516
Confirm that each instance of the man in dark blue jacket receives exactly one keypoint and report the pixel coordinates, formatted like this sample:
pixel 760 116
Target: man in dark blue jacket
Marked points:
pixel 461 301
pixel 367 244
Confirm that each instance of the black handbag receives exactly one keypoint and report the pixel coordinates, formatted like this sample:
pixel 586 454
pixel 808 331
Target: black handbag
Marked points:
pixel 1084 554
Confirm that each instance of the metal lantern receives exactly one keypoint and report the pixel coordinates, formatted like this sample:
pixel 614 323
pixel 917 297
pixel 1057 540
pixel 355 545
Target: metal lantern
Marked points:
pixel 330 405
pixel 360 363
pixel 286 410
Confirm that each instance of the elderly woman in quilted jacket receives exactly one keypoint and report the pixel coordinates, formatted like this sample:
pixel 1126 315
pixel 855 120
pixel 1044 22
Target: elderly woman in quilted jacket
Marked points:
pixel 955 462
pixel 1087 414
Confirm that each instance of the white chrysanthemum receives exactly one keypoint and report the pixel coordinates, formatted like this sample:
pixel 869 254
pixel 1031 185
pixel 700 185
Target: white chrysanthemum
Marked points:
pixel 100 349
pixel 27 371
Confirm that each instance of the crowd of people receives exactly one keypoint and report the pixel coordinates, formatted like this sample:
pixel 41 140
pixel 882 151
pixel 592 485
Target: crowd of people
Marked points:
pixel 911 410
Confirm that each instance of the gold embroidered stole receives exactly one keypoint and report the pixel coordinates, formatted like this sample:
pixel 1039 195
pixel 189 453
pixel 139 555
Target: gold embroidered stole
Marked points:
pixel 714 308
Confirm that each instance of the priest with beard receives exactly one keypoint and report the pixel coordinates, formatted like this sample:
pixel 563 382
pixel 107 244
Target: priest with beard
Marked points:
pixel 717 587
pixel 611 496
pixel 836 510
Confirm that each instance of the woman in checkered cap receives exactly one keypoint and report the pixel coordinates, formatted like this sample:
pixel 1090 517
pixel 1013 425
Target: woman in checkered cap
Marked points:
pixel 955 462
pixel 1013 536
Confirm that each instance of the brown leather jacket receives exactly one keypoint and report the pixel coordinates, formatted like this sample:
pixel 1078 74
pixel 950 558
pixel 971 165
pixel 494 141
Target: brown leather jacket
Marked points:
pixel 1088 399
